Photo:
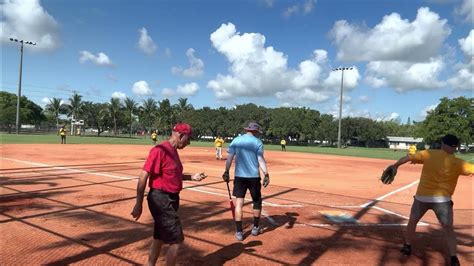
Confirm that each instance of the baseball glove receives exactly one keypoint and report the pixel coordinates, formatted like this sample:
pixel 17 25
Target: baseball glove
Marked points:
pixel 389 174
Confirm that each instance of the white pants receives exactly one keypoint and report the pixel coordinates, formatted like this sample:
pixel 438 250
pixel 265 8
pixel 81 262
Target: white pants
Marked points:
pixel 219 152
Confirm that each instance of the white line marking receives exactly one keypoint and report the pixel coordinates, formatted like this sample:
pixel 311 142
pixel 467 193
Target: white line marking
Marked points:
pixel 136 178
pixel 389 194
pixel 396 214
pixel 354 225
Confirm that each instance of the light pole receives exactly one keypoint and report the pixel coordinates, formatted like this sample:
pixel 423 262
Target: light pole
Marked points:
pixel 340 102
pixel 19 82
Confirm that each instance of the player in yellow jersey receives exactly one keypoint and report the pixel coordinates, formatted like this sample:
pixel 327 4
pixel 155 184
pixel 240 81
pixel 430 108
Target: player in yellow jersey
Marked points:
pixel 218 143
pixel 154 136
pixel 62 132
pixel 439 177
pixel 412 149
pixel 283 144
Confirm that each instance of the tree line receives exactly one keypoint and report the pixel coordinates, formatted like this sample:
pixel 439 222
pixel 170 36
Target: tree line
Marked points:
pixel 300 125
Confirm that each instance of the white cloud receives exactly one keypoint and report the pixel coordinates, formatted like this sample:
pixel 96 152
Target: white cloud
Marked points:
pixel 364 98
pixel 195 69
pixel 167 92
pixel 28 19
pixel 259 71
pixel 268 3
pixel 142 88
pixel 425 110
pixel 145 42
pixel 467 43
pixel 112 78
pixel 465 11
pixel 100 59
pixel 119 95
pixel 188 89
pixel 305 6
pixel 417 76
pixel 168 52
pixel 393 38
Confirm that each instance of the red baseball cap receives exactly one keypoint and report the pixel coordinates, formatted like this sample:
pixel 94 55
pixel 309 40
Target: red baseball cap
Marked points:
pixel 183 128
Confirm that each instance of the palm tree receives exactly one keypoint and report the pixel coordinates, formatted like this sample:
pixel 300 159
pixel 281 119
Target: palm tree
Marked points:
pixel 131 106
pixel 74 108
pixel 148 112
pixel 183 105
pixel 114 109
pixel 55 107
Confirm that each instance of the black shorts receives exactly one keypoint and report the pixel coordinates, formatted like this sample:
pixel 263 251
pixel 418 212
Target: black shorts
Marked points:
pixel 164 209
pixel 241 184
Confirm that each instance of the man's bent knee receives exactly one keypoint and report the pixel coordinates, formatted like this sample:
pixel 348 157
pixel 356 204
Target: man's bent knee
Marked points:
pixel 257 205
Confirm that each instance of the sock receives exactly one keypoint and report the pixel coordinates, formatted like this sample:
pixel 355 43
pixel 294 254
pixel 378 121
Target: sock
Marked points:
pixel 238 224
pixel 256 220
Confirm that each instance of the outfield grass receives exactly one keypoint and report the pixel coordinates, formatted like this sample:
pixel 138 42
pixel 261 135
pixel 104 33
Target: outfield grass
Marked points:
pixel 379 153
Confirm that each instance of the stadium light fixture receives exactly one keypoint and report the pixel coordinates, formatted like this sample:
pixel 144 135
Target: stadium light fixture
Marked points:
pixel 19 81
pixel 342 69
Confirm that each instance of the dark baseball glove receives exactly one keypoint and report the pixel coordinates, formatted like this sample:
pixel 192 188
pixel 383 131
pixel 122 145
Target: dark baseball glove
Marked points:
pixel 389 174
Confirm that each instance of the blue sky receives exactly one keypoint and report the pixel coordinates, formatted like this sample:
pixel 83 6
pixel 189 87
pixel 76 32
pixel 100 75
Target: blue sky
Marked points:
pixel 406 54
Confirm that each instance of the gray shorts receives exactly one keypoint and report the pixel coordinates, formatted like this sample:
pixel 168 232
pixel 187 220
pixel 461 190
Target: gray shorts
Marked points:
pixel 443 210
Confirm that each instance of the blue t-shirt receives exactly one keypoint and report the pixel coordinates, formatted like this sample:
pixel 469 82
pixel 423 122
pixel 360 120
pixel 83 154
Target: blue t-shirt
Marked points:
pixel 246 148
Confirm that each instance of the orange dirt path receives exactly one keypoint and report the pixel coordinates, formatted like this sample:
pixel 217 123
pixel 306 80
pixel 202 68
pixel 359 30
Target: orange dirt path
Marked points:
pixel 70 204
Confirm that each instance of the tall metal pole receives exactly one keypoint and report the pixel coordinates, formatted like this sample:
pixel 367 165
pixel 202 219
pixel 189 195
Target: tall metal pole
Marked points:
pixel 19 91
pixel 340 110
pixel 340 103
pixel 22 42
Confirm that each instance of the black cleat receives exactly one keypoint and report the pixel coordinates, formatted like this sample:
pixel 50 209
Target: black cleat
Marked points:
pixel 455 261
pixel 406 250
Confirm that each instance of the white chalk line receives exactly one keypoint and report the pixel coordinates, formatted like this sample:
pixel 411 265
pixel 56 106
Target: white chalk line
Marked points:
pixel 135 178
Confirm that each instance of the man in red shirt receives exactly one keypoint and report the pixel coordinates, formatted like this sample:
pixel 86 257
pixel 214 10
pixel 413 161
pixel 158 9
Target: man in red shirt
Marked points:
pixel 164 171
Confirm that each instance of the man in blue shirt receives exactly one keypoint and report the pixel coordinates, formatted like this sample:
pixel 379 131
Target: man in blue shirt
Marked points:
pixel 249 152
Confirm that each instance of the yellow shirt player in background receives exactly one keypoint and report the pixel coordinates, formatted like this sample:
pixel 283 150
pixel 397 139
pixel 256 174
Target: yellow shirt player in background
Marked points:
pixel 283 144
pixel 412 149
pixel 62 132
pixel 154 136
pixel 219 143
pixel 438 180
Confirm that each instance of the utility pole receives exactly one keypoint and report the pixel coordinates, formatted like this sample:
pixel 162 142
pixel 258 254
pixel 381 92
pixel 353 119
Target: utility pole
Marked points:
pixel 340 102
pixel 19 82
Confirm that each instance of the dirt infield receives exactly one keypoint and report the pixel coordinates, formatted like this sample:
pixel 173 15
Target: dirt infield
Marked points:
pixel 70 204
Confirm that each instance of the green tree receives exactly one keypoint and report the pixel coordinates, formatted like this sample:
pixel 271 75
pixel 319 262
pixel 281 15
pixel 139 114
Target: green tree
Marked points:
pixel 30 113
pixel 131 107
pixel 148 113
pixel 114 108
pixel 55 107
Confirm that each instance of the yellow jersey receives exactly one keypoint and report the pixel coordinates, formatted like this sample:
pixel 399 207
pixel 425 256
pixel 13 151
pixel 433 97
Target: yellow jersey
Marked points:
pixel 153 136
pixel 62 131
pixel 440 173
pixel 412 149
pixel 218 142
pixel 283 142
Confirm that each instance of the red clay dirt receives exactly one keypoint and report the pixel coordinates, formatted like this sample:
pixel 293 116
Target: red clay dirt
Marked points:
pixel 70 204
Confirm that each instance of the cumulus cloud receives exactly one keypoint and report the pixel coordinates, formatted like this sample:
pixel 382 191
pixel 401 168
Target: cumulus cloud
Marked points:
pixel 304 7
pixel 141 88
pixel 364 99
pixel 166 92
pixel 28 19
pixel 145 42
pixel 425 110
pixel 100 59
pixel 119 95
pixel 188 89
pixel 465 11
pixel 393 39
pixel 195 69
pixel 417 76
pixel 259 71
pixel 466 44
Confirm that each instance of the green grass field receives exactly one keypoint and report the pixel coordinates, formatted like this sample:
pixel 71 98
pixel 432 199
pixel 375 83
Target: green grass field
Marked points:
pixel 379 153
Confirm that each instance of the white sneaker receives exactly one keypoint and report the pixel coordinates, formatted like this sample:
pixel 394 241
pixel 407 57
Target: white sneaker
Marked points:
pixel 256 231
pixel 239 236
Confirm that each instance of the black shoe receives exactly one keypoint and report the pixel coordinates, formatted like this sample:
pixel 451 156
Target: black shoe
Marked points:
pixel 455 261
pixel 406 250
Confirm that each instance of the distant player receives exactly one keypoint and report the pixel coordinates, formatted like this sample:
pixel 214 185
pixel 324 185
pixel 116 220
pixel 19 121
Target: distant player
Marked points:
pixel 283 144
pixel 218 143
pixel 412 149
pixel 154 136
pixel 439 177
pixel 62 132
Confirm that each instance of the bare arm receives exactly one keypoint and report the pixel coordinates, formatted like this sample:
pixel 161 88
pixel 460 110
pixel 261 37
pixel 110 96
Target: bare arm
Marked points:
pixel 401 161
pixel 141 185
pixel 263 164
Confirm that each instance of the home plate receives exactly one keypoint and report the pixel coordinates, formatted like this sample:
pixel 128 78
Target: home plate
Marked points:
pixel 338 217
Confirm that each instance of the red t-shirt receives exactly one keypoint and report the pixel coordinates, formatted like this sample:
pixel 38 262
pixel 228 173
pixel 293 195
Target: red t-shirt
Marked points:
pixel 165 168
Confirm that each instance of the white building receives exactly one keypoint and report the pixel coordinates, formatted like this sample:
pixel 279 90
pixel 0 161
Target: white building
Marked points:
pixel 402 143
